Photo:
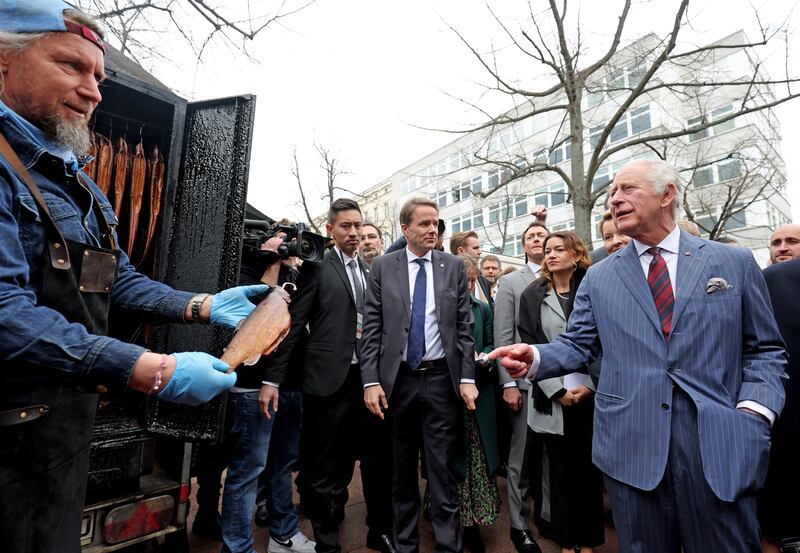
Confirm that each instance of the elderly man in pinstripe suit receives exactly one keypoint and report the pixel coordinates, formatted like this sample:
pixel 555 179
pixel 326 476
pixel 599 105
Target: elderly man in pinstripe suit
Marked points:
pixel 691 376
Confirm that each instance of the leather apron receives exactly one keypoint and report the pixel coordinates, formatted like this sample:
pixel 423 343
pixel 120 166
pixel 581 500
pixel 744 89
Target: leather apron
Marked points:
pixel 46 427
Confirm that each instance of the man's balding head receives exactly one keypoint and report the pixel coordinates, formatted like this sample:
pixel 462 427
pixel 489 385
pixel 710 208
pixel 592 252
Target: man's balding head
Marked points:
pixel 784 244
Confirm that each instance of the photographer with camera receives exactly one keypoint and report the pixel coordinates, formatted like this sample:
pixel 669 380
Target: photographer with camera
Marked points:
pixel 253 405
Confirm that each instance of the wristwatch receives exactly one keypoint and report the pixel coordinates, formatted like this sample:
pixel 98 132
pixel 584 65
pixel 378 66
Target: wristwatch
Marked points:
pixel 197 301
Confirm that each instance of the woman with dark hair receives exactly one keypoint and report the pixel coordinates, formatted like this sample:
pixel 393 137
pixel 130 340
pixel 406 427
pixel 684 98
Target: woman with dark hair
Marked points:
pixel 562 408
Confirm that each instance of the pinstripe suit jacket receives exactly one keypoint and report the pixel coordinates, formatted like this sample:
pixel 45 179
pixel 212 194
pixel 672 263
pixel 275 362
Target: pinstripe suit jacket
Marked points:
pixel 724 348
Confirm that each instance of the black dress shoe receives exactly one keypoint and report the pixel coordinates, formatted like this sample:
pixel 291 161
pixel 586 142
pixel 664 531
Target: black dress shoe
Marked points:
pixel 262 515
pixel 473 542
pixel 523 541
pixel 380 542
pixel 207 524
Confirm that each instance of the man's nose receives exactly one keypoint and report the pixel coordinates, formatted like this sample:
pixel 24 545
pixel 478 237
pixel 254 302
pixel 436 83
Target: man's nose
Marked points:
pixel 90 90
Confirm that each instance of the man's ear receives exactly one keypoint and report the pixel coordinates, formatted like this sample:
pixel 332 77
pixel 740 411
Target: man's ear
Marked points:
pixel 329 228
pixel 669 194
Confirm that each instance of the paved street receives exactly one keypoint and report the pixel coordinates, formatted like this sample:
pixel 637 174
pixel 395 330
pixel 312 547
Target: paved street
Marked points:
pixel 354 532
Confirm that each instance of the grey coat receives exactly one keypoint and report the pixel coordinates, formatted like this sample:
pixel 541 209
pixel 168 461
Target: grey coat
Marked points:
pixel 506 315
pixel 553 323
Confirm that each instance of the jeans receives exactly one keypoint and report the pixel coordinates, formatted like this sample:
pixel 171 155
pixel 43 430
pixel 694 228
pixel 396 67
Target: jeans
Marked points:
pixel 275 482
pixel 248 446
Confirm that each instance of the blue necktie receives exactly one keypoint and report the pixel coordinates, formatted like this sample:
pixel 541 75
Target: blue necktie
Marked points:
pixel 416 336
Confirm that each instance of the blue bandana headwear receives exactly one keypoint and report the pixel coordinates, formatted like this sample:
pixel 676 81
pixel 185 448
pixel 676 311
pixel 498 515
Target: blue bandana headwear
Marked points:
pixel 42 16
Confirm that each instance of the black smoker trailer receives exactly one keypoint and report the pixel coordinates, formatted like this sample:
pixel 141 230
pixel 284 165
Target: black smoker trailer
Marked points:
pixel 142 448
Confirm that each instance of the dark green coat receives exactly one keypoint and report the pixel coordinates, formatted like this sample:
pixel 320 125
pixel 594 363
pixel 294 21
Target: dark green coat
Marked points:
pixel 486 382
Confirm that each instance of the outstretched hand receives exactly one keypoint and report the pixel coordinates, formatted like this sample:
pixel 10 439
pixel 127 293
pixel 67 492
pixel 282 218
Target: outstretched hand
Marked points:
pixel 232 305
pixel 516 359
pixel 198 378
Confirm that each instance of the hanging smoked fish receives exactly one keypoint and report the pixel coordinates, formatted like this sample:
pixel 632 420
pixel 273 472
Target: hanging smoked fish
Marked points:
pixel 90 168
pixel 121 162
pixel 104 163
pixel 138 176
pixel 155 167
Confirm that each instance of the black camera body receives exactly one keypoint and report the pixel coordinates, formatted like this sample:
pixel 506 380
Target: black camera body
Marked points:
pixel 297 242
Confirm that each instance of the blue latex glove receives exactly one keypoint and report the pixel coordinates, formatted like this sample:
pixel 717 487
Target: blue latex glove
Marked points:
pixel 198 378
pixel 232 305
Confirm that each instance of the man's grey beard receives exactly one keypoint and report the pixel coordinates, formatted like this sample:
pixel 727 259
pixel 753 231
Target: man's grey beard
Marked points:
pixel 74 137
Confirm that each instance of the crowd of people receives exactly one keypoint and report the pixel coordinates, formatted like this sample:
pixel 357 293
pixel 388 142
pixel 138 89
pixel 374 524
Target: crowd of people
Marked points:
pixel 382 366
pixel 655 368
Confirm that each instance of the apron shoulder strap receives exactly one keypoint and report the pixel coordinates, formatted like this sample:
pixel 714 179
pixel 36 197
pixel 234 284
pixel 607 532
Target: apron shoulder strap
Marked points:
pixel 59 254
pixel 105 227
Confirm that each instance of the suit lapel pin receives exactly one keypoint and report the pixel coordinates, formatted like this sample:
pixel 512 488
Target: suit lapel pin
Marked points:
pixel 441 265
pixel 687 253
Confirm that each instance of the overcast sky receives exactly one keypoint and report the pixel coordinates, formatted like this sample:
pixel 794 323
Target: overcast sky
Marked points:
pixel 359 76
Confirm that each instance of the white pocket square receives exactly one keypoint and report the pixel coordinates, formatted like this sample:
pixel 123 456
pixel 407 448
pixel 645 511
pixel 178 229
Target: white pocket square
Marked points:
pixel 716 284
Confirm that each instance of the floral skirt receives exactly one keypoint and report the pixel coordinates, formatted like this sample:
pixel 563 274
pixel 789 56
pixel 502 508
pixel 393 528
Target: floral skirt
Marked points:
pixel 478 494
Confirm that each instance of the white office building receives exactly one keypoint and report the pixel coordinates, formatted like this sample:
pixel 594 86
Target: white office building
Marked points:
pixel 735 166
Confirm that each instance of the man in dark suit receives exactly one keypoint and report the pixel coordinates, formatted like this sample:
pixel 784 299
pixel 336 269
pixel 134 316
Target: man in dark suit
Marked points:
pixel 336 426
pixel 783 478
pixel 417 358
pixel 691 378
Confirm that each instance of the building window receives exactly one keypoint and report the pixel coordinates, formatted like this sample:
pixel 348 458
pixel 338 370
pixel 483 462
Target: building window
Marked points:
pixel 558 195
pixel 513 247
pixel 441 199
pixel 605 175
pixel 496 177
pixel 707 221
pixel 720 171
pixel 461 191
pixel 477 184
pixel 408 184
pixel 736 220
pixel 634 122
pixel 551 196
pixel 469 221
pixel 711 117
pixel 520 206
pixel 568 225
pixel 618 83
pixel 540 156
pixel 562 153
pixel 499 213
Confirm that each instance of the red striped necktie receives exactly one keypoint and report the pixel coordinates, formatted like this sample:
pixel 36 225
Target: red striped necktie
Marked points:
pixel 660 287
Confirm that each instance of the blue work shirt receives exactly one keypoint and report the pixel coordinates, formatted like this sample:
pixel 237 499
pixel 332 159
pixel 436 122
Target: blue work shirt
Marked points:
pixel 37 342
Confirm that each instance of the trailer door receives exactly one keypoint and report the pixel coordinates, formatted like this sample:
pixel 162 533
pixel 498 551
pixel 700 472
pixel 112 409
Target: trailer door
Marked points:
pixel 204 241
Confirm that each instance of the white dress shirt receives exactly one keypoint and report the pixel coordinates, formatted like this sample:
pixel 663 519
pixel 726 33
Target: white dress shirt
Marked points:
pixel 670 247
pixel 350 275
pixel 433 342
pixel 536 268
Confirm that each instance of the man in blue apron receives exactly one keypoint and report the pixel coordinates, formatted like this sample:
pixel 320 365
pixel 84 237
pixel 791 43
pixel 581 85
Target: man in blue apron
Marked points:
pixel 60 270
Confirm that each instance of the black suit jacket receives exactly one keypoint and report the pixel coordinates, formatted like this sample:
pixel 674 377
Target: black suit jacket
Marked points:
pixel 387 318
pixel 325 302
pixel 783 282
